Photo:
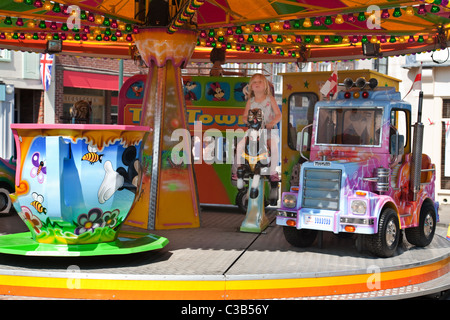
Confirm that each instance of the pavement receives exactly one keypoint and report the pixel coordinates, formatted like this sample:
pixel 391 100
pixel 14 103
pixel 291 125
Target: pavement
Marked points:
pixel 444 215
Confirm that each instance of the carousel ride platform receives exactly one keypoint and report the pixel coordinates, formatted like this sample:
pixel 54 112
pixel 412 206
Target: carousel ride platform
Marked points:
pixel 218 262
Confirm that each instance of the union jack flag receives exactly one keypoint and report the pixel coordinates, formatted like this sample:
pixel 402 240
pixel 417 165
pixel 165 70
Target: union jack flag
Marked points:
pixel 45 68
pixel 330 87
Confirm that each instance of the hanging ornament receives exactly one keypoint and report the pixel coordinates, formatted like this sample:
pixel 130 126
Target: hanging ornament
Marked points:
pixel 397 13
pixel 339 19
pixel 47 6
pixel 317 22
pixel 421 9
pixel 307 23
pixel 435 9
pixel 361 16
pixel 286 25
pixel 38 3
pixel 328 21
pixel 351 18
pixel 385 14
pixel 56 8
pixel 409 11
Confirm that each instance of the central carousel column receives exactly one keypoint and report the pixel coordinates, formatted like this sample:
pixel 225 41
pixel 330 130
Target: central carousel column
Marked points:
pixel 168 190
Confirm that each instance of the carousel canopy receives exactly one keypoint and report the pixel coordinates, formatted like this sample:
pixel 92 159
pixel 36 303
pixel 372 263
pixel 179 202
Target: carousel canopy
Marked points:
pixel 252 30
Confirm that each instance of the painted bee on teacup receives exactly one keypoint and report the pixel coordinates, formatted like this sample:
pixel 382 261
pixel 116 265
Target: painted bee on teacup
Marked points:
pixel 37 203
pixel 92 156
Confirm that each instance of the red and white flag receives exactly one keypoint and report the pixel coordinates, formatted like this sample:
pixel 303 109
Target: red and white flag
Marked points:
pixel 417 84
pixel 330 87
pixel 45 69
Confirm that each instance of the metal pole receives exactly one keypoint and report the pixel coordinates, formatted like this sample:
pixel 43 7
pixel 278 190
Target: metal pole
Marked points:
pixel 120 73
pixel 416 161
pixel 419 110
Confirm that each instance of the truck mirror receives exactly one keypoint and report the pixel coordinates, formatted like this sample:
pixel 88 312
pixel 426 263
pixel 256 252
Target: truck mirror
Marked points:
pixel 397 143
pixel 299 141
pixel 393 146
pixel 303 141
pixel 401 143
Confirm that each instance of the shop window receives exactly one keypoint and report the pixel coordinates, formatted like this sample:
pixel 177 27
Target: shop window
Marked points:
pixel 5 55
pixel 95 97
pixel 381 65
pixel 445 145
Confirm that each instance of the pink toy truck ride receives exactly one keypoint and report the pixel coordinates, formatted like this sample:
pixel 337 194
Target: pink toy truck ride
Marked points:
pixel 366 173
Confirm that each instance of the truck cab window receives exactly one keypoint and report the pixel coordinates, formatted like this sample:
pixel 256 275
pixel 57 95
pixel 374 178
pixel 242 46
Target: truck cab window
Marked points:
pixel 349 126
pixel 401 120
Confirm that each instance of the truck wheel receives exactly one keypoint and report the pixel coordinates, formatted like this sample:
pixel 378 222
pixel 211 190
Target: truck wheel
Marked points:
pixel 5 201
pixel 385 242
pixel 300 238
pixel 423 234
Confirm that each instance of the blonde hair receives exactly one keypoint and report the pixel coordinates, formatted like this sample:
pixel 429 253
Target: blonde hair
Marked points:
pixel 265 81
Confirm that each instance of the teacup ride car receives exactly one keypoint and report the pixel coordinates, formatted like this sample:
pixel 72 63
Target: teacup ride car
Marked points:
pixel 75 185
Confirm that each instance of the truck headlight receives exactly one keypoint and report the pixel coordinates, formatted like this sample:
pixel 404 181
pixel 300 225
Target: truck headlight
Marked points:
pixel 358 207
pixel 289 200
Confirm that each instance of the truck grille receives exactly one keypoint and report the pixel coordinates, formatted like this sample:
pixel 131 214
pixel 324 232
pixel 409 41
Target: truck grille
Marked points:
pixel 321 189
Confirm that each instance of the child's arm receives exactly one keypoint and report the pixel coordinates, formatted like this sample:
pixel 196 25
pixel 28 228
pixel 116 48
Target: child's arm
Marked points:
pixel 245 115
